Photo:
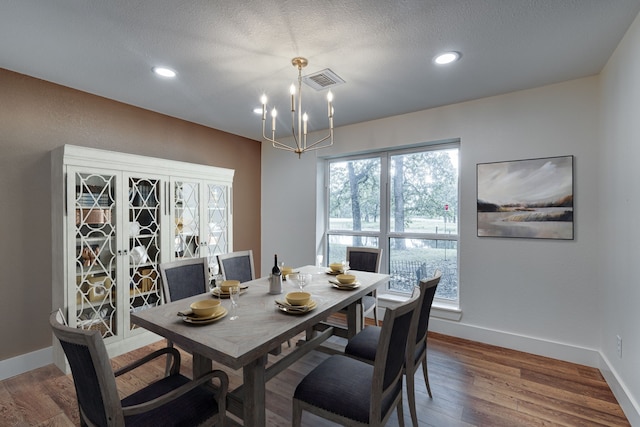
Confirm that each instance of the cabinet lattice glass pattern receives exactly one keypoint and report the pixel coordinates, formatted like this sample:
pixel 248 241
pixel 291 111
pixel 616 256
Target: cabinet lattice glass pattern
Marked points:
pixel 95 253
pixel 115 218
pixel 144 243
pixel 201 220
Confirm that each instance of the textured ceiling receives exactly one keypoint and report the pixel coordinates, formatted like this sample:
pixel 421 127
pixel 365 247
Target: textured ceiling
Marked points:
pixel 228 52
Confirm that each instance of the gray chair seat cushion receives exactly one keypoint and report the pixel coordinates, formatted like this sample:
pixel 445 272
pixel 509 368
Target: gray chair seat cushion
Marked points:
pixel 341 385
pixel 364 344
pixel 191 409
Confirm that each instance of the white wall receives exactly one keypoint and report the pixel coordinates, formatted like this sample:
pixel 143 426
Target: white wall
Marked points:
pixel 619 230
pixel 536 295
pixel 563 299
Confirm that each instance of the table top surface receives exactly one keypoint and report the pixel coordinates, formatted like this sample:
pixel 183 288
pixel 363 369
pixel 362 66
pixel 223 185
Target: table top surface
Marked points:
pixel 261 326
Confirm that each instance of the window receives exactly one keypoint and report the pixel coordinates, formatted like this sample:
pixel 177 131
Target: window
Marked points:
pixel 405 201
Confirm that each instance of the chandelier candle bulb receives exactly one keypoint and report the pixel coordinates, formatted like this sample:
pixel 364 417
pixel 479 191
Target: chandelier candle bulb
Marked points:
pixel 274 114
pixel 263 100
pixel 305 118
pixel 292 91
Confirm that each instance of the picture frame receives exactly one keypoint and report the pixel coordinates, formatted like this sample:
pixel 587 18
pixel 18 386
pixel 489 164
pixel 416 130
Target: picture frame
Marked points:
pixel 530 198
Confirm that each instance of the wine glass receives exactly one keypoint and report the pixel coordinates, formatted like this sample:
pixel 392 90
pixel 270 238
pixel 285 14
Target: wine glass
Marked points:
pixel 234 295
pixel 345 267
pixel 302 280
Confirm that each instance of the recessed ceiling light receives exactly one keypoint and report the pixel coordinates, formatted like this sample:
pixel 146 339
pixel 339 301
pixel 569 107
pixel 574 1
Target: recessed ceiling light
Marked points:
pixel 446 58
pixel 164 72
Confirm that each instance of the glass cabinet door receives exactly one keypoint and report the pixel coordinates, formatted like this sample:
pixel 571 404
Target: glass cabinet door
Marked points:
pixel 144 215
pixel 92 198
pixel 186 214
pixel 217 208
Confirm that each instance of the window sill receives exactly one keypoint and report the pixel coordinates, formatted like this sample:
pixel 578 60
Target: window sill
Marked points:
pixel 439 309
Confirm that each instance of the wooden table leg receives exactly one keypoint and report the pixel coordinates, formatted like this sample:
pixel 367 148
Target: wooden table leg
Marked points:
pixel 354 318
pixel 254 392
pixel 201 365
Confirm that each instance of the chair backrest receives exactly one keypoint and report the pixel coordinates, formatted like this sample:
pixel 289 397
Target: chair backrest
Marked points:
pixel 399 323
pixel 364 259
pixel 237 266
pixel 428 291
pixel 184 278
pixel 93 376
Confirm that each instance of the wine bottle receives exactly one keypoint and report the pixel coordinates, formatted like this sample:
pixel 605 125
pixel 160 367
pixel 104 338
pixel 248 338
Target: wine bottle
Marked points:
pixel 275 280
pixel 275 270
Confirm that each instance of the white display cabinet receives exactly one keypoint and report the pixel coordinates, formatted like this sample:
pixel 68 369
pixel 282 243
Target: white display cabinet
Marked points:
pixel 115 217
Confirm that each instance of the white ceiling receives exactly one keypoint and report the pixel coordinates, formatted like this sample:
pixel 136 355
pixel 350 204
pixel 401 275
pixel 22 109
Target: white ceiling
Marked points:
pixel 228 52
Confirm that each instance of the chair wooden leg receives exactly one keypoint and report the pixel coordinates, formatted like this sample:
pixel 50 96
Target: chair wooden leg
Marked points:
pixel 400 413
pixel 425 372
pixel 375 315
pixel 411 397
pixel 296 417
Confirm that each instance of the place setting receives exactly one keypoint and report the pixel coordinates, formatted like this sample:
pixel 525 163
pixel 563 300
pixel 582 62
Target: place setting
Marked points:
pixel 203 312
pixel 298 302
pixel 336 268
pixel 222 290
pixel 345 282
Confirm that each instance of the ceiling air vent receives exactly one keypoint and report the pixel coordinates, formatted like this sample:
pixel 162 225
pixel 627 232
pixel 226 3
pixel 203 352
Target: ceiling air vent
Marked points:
pixel 322 79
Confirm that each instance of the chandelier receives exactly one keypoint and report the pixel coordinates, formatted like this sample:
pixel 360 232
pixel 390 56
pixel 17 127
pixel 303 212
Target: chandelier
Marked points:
pixel 299 132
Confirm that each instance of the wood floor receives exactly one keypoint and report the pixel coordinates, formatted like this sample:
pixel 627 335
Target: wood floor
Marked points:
pixel 473 384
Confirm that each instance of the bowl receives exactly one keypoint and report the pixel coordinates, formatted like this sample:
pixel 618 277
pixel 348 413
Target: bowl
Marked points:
pixel 346 279
pixel 225 285
pixel 286 270
pixel 336 266
pixel 205 307
pixel 298 298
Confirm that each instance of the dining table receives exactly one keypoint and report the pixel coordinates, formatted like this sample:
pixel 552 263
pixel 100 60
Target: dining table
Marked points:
pixel 261 327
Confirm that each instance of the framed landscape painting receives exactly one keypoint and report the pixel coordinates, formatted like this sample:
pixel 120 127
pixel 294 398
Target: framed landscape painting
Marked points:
pixel 526 198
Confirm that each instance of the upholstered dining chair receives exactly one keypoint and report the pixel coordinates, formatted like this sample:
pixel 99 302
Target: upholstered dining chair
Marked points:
pixel 171 400
pixel 237 266
pixel 184 278
pixel 366 259
pixel 364 345
pixel 355 393
pixel 181 279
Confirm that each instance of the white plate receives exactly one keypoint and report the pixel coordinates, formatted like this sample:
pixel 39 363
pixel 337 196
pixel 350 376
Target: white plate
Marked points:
pixel 345 287
pixel 292 309
pixel 333 273
pixel 218 293
pixel 205 320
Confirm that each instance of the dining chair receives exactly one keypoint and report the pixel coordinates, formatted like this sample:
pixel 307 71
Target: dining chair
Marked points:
pixel 355 393
pixel 237 266
pixel 171 400
pixel 364 345
pixel 183 278
pixel 366 259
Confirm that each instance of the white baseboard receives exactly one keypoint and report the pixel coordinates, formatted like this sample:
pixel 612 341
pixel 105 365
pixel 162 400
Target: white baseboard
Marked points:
pixel 555 350
pixel 627 403
pixel 25 362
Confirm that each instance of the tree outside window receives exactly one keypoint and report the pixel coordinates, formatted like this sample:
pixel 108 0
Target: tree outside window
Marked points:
pixel 414 217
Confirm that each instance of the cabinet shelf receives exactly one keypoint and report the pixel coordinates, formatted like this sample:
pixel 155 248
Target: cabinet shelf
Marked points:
pixel 93 239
